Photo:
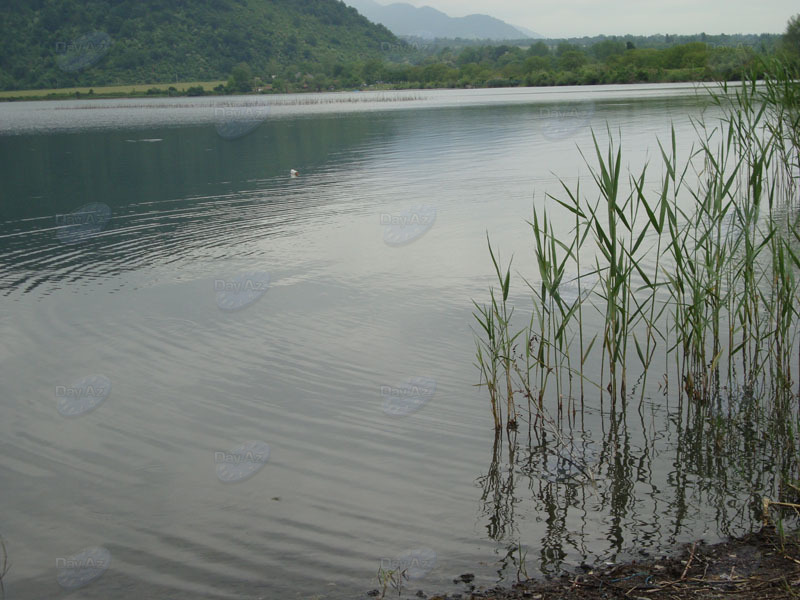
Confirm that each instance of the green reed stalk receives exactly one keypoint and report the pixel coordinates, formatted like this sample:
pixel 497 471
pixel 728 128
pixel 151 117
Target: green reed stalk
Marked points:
pixel 617 268
pixel 487 353
pixel 723 287
pixel 495 320
pixel 582 229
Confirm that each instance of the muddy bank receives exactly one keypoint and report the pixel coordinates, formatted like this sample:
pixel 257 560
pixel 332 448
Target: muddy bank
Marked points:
pixel 756 566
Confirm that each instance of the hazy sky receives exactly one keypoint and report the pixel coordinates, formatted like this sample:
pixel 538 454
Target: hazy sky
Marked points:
pixel 567 18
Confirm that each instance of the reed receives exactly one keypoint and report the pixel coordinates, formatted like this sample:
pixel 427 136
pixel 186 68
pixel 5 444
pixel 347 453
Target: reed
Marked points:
pixel 495 352
pixel 393 578
pixel 703 270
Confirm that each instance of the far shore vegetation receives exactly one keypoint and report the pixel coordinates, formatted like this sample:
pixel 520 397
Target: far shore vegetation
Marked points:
pixel 111 91
pixel 416 64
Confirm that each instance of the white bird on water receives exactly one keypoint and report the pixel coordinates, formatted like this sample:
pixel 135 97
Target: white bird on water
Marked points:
pixel 294 173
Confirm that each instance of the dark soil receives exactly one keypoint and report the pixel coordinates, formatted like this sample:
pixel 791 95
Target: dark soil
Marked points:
pixel 757 566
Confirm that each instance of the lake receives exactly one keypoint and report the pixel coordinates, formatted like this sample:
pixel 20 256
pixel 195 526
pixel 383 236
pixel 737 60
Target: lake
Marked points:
pixel 220 381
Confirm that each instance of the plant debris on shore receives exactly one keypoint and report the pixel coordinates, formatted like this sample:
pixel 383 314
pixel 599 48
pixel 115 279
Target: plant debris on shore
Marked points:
pixel 756 566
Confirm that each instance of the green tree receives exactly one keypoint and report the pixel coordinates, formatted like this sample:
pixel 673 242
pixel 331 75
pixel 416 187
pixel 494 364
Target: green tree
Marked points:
pixel 372 71
pixel 607 48
pixel 564 47
pixel 539 49
pixel 468 55
pixel 537 63
pixel 435 73
pixel 241 79
pixel 791 39
pixel 572 60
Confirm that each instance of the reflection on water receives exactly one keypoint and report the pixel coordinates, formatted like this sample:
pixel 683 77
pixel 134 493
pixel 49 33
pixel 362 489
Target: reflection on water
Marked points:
pixel 723 459
pixel 281 369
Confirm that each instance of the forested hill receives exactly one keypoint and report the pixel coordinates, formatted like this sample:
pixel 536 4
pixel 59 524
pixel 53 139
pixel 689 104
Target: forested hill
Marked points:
pixel 58 43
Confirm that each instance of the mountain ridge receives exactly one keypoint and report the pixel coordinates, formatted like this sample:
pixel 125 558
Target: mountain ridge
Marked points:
pixel 64 43
pixel 426 22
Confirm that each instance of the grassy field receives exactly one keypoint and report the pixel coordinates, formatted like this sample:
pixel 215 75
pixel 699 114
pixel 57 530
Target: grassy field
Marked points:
pixel 111 90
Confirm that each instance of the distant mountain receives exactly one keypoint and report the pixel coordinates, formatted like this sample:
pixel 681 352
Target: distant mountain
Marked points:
pixel 530 33
pixel 428 23
pixel 57 43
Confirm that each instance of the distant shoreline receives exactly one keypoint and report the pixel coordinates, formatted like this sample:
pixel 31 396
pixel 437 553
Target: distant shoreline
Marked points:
pixel 139 90
pixel 185 90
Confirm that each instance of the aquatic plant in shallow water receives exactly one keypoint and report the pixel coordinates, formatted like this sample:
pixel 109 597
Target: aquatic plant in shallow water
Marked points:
pixel 681 280
pixel 664 320
pixel 701 271
pixel 495 352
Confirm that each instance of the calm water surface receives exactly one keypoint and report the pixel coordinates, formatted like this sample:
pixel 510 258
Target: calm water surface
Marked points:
pixel 169 295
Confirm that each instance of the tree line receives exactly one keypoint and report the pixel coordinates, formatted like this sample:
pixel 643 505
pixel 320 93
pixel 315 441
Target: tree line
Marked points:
pixel 318 45
pixel 542 63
